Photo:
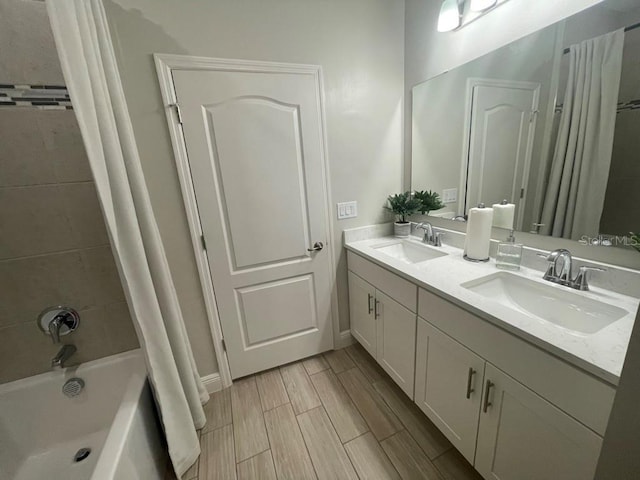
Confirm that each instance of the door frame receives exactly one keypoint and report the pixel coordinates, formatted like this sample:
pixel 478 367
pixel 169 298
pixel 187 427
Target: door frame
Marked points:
pixel 473 82
pixel 166 64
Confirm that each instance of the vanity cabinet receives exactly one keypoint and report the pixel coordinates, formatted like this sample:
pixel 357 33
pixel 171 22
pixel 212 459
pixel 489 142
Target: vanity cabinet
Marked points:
pixel 448 386
pixel 489 392
pixel 383 318
pixel 514 410
pixel 521 436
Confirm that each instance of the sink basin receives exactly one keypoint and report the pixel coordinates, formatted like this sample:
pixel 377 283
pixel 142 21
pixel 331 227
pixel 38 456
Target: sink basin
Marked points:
pixel 554 304
pixel 409 252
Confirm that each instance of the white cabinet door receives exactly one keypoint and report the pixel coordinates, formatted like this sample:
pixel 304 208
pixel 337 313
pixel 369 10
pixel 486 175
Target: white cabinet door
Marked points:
pixel 396 341
pixel 524 437
pixel 449 386
pixel 362 298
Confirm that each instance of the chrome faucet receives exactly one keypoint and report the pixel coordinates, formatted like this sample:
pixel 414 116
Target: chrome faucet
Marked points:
pixel 430 238
pixel 560 270
pixel 57 322
pixel 63 355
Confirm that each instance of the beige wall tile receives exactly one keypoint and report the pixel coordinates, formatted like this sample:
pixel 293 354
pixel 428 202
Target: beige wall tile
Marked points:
pixel 22 156
pixel 33 220
pixel 28 285
pixel 84 214
pixel 119 331
pixel 63 144
pixel 28 351
pixel 102 275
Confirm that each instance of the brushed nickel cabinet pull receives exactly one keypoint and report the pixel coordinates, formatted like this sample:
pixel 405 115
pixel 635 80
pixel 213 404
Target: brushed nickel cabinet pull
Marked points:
pixel 377 308
pixel 487 391
pixel 469 381
pixel 369 298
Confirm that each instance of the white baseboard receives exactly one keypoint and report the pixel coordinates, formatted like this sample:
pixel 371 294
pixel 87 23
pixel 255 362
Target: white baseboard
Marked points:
pixel 213 382
pixel 345 339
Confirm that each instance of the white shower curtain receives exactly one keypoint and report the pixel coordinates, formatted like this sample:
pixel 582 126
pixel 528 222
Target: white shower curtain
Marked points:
pixel 90 70
pixel 580 167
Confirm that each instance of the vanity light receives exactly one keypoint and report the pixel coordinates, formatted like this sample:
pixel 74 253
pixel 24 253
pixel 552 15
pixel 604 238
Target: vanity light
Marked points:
pixel 450 16
pixel 480 5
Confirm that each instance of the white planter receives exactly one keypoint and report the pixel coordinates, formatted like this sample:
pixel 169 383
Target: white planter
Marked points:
pixel 402 229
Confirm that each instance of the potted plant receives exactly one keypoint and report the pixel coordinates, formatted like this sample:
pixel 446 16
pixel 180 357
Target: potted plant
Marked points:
pixel 429 201
pixel 402 205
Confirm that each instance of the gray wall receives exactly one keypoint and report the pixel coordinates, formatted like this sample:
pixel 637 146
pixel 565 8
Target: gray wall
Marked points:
pixel 53 243
pixel 359 44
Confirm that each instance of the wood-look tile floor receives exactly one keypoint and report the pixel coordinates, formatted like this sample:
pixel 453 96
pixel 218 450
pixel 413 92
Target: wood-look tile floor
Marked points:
pixel 332 416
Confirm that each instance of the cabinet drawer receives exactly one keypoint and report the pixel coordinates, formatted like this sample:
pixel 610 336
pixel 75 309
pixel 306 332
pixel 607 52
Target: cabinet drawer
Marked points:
pixel 398 288
pixel 584 397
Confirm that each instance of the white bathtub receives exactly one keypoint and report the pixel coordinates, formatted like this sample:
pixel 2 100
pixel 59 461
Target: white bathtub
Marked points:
pixel 41 429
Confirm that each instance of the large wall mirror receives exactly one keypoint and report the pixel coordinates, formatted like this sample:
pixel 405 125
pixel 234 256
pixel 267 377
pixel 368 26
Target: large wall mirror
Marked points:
pixel 550 123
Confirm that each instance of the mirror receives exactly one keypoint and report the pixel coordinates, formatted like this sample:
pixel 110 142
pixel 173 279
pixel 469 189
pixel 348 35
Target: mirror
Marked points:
pixel 549 123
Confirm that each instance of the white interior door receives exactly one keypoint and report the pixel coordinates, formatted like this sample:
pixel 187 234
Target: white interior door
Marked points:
pixel 500 142
pixel 255 147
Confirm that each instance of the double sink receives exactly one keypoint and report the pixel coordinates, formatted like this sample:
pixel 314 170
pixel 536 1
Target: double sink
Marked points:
pixel 539 300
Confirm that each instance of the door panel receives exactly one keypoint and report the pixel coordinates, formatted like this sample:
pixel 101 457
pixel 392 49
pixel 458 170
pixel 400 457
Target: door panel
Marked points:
pixel 524 437
pixel 443 379
pixel 256 141
pixel 396 333
pixel 256 155
pixel 285 307
pixel 362 296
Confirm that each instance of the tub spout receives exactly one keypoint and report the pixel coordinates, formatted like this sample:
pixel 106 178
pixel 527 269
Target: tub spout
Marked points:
pixel 63 355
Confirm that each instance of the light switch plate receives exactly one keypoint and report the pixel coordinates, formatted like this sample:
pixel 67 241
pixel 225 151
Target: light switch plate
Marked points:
pixel 449 195
pixel 347 210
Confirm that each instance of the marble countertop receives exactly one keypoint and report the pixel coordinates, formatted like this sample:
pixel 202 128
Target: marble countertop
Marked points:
pixel 601 353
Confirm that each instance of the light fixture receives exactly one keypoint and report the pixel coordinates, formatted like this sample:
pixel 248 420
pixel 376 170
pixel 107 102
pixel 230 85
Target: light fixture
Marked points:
pixel 450 16
pixel 481 5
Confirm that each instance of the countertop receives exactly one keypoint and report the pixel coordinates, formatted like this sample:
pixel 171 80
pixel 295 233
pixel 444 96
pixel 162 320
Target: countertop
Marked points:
pixel 601 354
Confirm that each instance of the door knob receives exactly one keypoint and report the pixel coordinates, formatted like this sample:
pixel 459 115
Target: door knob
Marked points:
pixel 316 247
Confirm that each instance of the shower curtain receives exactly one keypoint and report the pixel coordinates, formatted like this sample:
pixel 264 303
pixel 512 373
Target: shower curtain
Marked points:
pixel 577 183
pixel 90 70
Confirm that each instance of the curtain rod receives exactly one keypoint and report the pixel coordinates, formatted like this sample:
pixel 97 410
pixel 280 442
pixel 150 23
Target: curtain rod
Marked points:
pixel 626 29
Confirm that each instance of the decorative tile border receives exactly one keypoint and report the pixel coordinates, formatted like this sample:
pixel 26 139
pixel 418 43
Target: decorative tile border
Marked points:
pixel 38 96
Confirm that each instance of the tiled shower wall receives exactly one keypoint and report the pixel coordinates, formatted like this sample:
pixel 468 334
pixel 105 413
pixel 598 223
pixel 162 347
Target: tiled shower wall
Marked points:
pixel 54 247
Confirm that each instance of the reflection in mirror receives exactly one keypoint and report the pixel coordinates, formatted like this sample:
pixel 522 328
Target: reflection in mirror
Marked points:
pixel 548 122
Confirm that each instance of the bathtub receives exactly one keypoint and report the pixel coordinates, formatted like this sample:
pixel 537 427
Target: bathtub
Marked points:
pixel 41 429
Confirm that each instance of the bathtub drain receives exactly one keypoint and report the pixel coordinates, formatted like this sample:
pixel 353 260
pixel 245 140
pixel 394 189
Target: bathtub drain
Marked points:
pixel 73 387
pixel 81 454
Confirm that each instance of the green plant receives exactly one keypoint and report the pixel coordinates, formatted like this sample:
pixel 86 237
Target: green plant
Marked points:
pixel 402 205
pixel 428 201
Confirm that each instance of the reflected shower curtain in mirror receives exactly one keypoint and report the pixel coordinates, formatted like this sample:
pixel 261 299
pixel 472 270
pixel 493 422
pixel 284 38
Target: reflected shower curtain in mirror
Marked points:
pixel 90 70
pixel 580 166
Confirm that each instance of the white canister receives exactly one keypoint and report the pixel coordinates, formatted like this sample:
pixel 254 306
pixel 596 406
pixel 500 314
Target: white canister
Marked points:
pixel 478 240
pixel 503 214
